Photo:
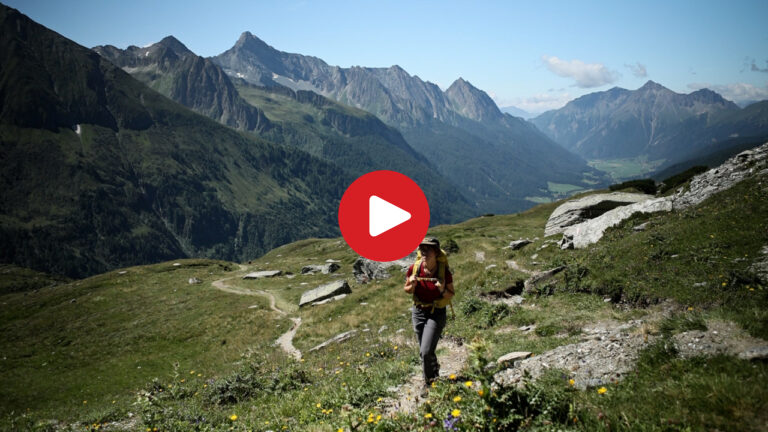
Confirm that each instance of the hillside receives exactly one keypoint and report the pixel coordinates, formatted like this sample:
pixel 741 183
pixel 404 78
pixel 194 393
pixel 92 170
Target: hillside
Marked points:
pixel 98 171
pixel 671 301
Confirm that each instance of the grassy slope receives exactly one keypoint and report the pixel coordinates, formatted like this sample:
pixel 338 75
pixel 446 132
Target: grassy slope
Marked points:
pixel 349 378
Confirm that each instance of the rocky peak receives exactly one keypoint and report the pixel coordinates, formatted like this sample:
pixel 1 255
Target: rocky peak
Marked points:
pixel 173 44
pixel 249 42
pixel 653 86
pixel 472 102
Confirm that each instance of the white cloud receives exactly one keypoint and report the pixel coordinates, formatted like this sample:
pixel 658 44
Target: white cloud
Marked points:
pixel 740 93
pixel 586 75
pixel 637 70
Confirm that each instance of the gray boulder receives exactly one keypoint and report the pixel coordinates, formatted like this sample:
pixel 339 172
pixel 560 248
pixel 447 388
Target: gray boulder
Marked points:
pixel 589 207
pixel 263 274
pixel 366 270
pixel 325 291
pixel 324 269
pixel 518 244
pixel 341 337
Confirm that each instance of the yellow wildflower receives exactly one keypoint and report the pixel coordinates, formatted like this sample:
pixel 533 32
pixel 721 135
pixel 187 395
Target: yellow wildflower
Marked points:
pixel 233 417
pixel 192 372
pixel 318 405
pixel 456 412
pixel 457 399
pixel 480 392
pixel 367 354
pixel 339 430
pixel 571 381
pixel 428 415
pixel 468 383
pixel 602 390
pixel 452 377
pixel 395 348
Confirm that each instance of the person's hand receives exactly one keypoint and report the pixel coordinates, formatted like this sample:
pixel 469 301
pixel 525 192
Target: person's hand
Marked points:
pixel 439 287
pixel 410 284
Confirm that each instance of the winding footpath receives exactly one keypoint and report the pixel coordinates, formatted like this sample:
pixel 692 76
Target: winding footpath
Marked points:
pixel 285 341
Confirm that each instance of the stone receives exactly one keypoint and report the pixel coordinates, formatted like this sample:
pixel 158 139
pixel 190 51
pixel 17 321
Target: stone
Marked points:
pixel 479 256
pixel 591 363
pixel 263 274
pixel 122 272
pixel 176 264
pixel 366 270
pixel 756 353
pixel 641 227
pixel 324 268
pixel 539 277
pixel 511 358
pixel 328 300
pixel 576 211
pixel 325 291
pixel 519 244
pixel 194 280
pixel 341 337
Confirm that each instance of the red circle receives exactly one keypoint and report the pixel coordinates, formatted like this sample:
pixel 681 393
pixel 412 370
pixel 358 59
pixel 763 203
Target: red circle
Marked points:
pixel 397 190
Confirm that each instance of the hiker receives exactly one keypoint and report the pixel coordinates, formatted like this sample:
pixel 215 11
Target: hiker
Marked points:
pixel 430 281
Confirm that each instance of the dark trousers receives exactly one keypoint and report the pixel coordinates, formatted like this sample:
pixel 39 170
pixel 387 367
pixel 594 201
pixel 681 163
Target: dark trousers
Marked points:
pixel 428 326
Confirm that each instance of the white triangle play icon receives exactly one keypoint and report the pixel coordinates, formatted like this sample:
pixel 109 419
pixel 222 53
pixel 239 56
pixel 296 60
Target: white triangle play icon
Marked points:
pixel 383 216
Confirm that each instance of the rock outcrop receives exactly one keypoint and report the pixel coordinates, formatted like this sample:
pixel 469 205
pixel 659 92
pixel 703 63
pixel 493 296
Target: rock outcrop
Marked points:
pixel 589 207
pixel 591 363
pixel 745 164
pixel 366 270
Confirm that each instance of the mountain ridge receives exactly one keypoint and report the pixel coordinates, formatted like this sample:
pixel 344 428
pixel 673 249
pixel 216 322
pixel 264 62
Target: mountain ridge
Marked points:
pixel 478 150
pixel 652 121
pixel 355 140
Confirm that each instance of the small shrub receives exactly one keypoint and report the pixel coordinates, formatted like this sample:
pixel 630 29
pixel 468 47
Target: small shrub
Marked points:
pixel 647 186
pixel 450 246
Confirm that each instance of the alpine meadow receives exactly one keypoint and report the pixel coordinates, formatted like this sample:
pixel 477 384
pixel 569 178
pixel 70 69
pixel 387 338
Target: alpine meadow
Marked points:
pixel 172 258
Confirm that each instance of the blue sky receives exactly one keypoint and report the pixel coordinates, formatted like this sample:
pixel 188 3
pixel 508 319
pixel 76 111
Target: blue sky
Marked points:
pixel 534 55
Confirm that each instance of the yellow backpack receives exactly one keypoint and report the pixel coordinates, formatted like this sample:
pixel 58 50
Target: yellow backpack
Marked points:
pixel 442 264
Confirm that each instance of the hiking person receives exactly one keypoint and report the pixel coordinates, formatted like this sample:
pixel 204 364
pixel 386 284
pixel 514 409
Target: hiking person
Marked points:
pixel 430 281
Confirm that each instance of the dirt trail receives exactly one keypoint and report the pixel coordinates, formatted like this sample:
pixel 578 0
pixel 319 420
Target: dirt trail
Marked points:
pixel 451 355
pixel 285 341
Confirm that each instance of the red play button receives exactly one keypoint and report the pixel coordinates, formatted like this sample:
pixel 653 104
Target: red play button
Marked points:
pixel 383 215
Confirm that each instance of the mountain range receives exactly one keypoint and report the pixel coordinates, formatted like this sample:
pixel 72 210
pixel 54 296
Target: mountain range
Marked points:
pixel 651 122
pixel 354 140
pixel 498 161
pixel 99 171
